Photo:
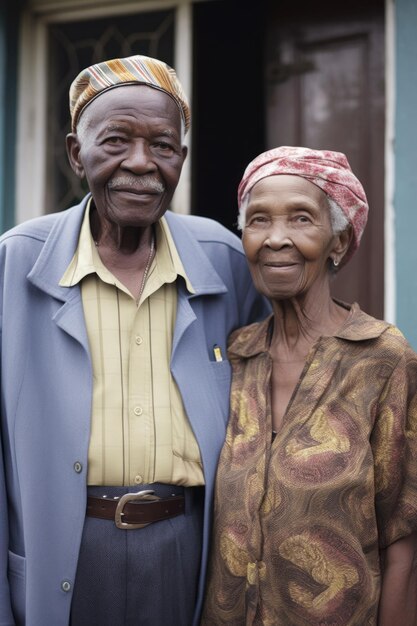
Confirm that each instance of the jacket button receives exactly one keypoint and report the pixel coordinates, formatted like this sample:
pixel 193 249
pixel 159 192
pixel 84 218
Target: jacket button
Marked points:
pixel 78 467
pixel 66 586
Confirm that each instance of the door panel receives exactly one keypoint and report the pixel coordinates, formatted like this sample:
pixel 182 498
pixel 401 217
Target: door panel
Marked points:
pixel 325 90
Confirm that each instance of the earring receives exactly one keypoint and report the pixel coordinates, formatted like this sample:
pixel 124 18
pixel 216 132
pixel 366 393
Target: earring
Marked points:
pixel 336 262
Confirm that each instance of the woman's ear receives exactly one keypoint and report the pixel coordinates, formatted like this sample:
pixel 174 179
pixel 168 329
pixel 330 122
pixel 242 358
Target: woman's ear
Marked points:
pixel 73 152
pixel 341 244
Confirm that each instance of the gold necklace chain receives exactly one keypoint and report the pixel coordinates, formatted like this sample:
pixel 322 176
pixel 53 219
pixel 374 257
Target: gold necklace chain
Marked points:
pixel 147 268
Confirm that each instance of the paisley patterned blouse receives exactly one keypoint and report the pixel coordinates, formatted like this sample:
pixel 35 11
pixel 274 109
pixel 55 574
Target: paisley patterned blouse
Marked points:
pixel 300 521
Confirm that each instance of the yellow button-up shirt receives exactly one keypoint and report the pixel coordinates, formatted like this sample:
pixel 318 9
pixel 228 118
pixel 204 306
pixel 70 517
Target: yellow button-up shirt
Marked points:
pixel 140 432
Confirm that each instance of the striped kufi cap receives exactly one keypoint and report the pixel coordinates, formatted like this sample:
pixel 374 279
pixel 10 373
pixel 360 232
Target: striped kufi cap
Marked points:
pixel 137 69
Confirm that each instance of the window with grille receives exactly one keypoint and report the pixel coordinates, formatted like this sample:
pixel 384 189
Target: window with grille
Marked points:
pixel 72 46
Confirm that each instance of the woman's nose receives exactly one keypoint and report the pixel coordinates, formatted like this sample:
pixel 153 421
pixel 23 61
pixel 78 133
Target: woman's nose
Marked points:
pixel 277 237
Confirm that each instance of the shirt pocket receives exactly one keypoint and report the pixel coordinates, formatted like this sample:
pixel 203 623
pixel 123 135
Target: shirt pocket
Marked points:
pixel 221 376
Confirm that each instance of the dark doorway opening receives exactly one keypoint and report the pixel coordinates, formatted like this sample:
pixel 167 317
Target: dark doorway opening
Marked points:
pixel 228 102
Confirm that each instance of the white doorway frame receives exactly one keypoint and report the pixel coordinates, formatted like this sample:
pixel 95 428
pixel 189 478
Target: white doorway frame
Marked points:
pixel 32 127
pixel 390 291
pixel 31 172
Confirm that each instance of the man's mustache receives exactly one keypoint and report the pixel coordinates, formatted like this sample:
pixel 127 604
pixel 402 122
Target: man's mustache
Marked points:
pixel 137 183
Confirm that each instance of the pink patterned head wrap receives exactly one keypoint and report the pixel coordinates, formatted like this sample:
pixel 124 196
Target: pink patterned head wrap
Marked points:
pixel 328 170
pixel 138 69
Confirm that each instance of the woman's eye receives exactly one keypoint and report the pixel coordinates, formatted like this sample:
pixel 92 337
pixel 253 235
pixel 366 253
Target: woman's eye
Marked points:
pixel 256 221
pixel 303 219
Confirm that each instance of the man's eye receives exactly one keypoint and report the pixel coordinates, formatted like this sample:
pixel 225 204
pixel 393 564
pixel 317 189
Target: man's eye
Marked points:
pixel 114 139
pixel 163 145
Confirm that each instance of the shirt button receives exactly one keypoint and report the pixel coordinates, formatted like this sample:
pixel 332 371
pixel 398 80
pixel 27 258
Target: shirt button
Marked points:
pixel 138 479
pixel 78 467
pixel 66 586
pixel 138 339
pixel 138 410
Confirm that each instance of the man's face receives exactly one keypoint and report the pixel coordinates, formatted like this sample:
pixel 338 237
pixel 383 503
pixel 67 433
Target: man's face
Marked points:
pixel 128 146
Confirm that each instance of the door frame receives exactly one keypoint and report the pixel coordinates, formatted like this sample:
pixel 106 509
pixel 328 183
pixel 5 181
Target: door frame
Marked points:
pixel 31 175
pixel 390 291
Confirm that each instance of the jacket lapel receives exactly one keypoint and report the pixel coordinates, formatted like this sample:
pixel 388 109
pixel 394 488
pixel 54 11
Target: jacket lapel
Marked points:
pixel 53 260
pixel 201 273
pixel 59 249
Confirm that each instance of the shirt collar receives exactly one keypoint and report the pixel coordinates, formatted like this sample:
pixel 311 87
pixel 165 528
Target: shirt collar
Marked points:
pixel 167 256
pixel 254 339
pixel 86 259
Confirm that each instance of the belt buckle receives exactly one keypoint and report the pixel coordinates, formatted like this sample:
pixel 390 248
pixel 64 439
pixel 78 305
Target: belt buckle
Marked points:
pixel 147 494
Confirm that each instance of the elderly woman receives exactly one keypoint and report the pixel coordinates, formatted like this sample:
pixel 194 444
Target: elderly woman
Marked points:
pixel 316 498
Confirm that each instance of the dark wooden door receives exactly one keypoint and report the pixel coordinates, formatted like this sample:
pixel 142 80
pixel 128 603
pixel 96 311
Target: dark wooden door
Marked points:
pixel 325 90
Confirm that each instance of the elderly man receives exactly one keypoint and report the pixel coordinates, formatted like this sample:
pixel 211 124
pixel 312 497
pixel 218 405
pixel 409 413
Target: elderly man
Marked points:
pixel 115 316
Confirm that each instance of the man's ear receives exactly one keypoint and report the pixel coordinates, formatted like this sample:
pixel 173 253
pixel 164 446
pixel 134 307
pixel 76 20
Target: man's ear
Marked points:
pixel 342 243
pixel 73 152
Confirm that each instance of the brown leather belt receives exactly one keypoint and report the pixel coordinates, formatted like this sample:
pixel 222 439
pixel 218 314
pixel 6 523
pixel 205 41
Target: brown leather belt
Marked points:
pixel 135 510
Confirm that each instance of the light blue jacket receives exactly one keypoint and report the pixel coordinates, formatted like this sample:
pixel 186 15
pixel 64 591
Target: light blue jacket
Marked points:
pixel 46 391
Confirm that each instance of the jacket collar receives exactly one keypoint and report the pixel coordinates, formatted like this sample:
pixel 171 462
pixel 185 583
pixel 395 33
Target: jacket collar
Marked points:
pixel 57 252
pixel 62 241
pixel 199 270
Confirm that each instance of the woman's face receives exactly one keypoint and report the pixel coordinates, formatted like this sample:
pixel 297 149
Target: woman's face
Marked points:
pixel 288 237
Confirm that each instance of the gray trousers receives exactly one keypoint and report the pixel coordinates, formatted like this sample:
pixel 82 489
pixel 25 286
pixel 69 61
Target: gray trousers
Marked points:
pixel 141 577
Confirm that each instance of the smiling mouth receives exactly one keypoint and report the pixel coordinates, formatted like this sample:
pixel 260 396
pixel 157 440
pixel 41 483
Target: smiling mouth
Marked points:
pixel 136 191
pixel 279 264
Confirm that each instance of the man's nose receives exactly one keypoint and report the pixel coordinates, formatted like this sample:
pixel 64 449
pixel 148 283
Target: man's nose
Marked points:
pixel 139 158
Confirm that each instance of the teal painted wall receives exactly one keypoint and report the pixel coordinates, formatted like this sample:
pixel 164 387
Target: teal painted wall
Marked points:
pixel 405 196
pixel 8 84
